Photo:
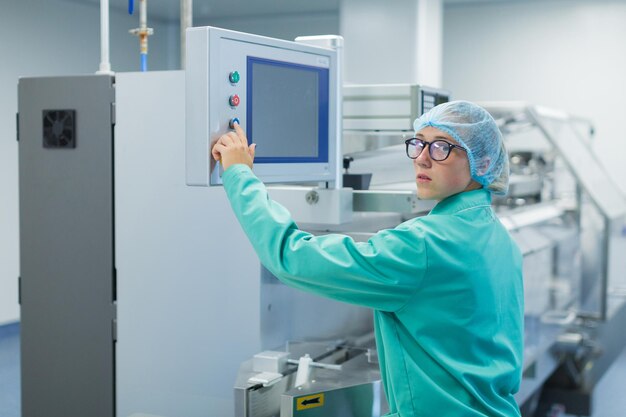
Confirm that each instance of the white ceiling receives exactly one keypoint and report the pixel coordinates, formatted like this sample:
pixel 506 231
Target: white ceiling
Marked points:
pixel 169 10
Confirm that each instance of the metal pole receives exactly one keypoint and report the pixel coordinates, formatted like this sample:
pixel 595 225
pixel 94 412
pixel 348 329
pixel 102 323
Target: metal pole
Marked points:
pixel 186 21
pixel 105 65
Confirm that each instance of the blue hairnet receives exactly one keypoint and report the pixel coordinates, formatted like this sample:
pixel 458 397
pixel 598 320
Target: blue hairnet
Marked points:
pixel 475 130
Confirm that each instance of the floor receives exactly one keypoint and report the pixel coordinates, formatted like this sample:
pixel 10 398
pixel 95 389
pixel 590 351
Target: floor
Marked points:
pixel 609 398
pixel 10 370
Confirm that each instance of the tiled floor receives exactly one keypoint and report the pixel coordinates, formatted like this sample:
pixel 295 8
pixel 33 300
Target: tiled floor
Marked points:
pixel 609 398
pixel 10 370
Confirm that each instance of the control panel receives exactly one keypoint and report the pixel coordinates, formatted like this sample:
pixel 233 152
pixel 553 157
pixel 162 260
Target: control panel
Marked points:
pixel 283 94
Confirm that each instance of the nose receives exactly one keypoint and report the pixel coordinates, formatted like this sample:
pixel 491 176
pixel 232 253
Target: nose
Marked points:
pixel 424 160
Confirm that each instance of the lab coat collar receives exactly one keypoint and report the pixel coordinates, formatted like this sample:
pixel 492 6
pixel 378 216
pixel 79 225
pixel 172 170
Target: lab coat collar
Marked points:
pixel 462 201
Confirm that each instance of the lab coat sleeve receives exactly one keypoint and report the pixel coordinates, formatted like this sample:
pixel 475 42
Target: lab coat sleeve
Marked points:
pixel 383 273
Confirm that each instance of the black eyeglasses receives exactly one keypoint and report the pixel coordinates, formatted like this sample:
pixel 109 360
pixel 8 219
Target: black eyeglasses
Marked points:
pixel 439 150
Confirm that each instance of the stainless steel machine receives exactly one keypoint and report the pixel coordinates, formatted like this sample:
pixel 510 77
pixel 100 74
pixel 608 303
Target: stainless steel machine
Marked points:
pixel 140 295
pixel 576 305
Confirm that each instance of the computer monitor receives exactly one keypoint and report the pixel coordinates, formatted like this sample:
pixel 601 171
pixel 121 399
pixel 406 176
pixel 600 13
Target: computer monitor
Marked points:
pixel 283 94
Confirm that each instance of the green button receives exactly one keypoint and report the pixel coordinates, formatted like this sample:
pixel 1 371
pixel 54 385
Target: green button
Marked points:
pixel 234 77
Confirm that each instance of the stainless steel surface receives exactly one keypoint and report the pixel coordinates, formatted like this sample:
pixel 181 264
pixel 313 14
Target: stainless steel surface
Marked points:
pixel 559 129
pixel 387 107
pixel 524 186
pixel 343 382
pixel 315 205
pixel 540 360
pixel 390 201
pixel 352 395
pixel 531 215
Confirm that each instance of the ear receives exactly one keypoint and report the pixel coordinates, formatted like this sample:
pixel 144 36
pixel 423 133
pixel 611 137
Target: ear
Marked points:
pixel 483 166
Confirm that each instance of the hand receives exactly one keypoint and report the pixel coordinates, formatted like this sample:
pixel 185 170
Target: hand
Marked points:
pixel 232 148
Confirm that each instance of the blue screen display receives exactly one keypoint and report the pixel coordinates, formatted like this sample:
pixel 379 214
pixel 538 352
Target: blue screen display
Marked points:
pixel 287 111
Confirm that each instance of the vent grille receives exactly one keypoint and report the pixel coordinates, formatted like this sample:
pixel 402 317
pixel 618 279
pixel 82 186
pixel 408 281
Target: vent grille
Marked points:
pixel 59 128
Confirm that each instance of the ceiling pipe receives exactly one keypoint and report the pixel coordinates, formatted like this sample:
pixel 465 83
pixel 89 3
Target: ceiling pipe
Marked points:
pixel 186 21
pixel 105 65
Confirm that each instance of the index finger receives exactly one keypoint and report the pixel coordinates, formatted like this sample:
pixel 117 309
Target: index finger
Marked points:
pixel 241 134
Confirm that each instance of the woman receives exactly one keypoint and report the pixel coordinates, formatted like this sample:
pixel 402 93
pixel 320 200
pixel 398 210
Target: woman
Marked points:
pixel 446 288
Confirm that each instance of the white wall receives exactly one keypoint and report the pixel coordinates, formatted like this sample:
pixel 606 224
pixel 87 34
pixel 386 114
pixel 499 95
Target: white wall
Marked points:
pixel 563 54
pixel 392 42
pixel 53 38
pixel 380 41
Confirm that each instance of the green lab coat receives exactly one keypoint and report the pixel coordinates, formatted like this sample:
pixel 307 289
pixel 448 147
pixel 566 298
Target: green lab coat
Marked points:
pixel 446 290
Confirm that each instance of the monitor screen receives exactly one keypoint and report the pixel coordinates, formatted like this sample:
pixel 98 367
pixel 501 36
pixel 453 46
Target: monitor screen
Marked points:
pixel 287 111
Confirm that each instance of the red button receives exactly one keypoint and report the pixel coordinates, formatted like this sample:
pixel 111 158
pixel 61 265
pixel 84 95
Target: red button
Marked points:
pixel 234 100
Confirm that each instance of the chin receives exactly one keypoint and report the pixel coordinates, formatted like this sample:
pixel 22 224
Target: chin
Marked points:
pixel 424 195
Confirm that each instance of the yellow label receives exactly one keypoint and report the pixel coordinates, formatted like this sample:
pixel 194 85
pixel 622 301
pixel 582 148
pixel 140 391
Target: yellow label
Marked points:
pixel 310 401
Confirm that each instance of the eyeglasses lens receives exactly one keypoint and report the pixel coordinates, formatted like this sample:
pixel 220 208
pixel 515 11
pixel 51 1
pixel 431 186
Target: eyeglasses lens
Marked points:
pixel 415 148
pixel 439 150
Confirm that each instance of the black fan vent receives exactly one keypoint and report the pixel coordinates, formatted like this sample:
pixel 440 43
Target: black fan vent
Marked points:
pixel 59 128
